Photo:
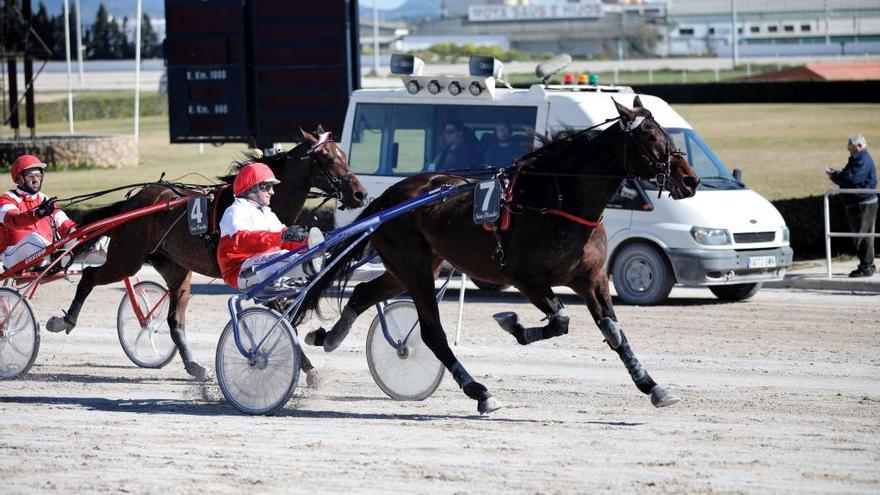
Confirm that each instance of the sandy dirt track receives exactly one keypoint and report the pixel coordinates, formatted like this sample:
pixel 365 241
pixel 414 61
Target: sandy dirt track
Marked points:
pixel 780 394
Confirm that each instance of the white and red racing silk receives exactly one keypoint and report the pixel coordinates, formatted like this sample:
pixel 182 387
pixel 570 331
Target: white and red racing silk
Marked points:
pixel 246 230
pixel 18 218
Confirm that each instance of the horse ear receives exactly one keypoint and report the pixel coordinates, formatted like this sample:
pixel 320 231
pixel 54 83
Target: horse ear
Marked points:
pixel 320 130
pixel 625 113
pixel 637 103
pixel 308 137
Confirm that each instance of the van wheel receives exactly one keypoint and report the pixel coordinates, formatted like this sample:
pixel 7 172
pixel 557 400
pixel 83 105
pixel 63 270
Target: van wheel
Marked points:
pixel 641 275
pixel 735 292
pixel 483 285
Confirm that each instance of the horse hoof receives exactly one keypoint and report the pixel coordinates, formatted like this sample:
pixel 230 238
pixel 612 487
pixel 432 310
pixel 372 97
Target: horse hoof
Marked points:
pixel 488 405
pixel 56 325
pixel 313 378
pixel 507 320
pixel 334 338
pixel 316 337
pixel 197 371
pixel 660 397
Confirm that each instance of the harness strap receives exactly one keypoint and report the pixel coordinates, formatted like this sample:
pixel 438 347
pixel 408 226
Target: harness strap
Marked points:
pixel 575 219
pixel 215 209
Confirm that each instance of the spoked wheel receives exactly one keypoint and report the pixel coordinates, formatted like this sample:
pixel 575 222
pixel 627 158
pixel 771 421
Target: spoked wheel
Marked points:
pixel 410 372
pixel 148 345
pixel 262 383
pixel 20 339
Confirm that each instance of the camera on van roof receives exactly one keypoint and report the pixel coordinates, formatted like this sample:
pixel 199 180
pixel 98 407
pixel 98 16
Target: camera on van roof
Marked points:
pixel 406 65
pixel 480 65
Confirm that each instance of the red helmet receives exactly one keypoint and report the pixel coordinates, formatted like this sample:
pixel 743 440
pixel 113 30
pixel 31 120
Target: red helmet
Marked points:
pixel 25 162
pixel 252 174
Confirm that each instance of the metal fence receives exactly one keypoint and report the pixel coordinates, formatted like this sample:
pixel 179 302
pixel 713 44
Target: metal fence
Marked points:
pixel 828 233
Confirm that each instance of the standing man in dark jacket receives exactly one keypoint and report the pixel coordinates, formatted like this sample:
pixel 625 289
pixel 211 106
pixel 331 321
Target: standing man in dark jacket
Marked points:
pixel 861 209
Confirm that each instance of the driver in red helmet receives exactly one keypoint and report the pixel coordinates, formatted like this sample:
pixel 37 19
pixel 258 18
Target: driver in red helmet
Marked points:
pixel 29 220
pixel 251 234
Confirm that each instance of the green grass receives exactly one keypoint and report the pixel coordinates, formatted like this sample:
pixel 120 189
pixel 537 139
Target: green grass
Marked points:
pixel 780 148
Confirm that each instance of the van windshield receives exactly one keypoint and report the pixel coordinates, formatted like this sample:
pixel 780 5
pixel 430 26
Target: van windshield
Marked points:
pixel 713 174
pixel 405 139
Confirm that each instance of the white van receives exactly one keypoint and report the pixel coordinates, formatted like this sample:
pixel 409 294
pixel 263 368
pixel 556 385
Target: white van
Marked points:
pixel 727 237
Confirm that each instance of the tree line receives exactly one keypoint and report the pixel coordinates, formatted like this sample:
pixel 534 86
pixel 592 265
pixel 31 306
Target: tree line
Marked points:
pixel 105 39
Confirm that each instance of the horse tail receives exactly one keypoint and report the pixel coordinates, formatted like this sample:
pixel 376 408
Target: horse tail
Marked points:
pixel 343 261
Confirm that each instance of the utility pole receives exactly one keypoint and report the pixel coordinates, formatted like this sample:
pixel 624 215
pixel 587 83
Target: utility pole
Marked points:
pixel 827 22
pixel 733 33
pixel 79 48
pixel 375 38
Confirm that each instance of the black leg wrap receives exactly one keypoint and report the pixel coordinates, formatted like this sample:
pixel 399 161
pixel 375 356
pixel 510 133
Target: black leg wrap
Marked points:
pixel 557 326
pixel 461 376
pixel 639 376
pixel 509 321
pixel 316 337
pixel 611 331
pixel 340 330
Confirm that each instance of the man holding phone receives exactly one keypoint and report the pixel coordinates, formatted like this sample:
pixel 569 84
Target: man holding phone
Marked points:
pixel 861 208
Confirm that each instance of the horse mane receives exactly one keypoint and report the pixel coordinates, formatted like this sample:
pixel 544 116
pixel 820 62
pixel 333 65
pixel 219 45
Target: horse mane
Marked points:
pixel 552 146
pixel 249 156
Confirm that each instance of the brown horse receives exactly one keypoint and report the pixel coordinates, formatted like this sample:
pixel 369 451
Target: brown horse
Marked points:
pixel 552 240
pixel 164 240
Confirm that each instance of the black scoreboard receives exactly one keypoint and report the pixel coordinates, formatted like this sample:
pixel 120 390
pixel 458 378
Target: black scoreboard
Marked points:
pixel 258 70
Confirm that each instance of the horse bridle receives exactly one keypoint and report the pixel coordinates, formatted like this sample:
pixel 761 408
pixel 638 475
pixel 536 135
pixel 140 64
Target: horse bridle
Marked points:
pixel 663 168
pixel 337 184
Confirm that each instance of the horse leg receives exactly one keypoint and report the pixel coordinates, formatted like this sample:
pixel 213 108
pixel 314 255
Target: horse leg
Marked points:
pixel 118 265
pixel 364 296
pixel 178 280
pixel 545 300
pixel 418 278
pixel 594 291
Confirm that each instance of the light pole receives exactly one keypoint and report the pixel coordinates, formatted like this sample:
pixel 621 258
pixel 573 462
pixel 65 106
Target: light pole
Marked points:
pixel 734 33
pixel 375 38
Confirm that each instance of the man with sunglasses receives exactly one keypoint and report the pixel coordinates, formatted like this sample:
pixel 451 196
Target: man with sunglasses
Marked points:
pixel 251 234
pixel 29 221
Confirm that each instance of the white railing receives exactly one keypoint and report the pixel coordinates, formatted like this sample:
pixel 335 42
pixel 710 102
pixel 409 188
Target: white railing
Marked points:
pixel 828 233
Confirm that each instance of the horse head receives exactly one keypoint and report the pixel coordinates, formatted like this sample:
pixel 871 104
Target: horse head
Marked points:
pixel 649 152
pixel 331 171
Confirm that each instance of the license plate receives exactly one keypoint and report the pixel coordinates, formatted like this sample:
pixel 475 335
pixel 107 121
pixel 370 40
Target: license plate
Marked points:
pixel 762 261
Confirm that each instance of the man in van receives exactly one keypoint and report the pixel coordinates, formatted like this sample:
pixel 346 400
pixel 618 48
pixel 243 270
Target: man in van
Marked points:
pixel 503 150
pixel 861 209
pixel 461 151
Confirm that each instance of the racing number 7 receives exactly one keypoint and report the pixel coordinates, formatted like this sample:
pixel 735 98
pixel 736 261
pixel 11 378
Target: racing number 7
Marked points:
pixel 489 186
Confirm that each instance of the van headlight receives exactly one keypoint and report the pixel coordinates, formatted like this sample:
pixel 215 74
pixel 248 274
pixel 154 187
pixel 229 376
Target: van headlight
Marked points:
pixel 710 237
pixel 786 235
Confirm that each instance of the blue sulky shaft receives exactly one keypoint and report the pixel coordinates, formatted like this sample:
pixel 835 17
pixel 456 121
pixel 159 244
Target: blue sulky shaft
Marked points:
pixel 362 228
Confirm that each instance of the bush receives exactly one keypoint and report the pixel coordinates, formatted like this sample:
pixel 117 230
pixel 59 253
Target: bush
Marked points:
pixel 93 108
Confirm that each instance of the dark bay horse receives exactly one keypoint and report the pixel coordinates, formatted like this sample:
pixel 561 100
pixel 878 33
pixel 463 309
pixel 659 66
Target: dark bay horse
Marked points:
pixel 555 238
pixel 164 240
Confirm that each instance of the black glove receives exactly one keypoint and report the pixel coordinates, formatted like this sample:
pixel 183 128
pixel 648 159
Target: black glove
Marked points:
pixel 46 208
pixel 295 233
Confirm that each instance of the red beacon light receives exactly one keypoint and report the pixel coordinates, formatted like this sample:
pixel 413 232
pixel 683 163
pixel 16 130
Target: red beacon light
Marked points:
pixel 569 78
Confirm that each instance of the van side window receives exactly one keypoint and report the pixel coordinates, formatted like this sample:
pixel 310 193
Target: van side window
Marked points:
pixel 400 139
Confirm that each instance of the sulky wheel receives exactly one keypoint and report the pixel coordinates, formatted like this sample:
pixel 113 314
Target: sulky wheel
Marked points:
pixel 19 334
pixel 148 345
pixel 262 383
pixel 411 372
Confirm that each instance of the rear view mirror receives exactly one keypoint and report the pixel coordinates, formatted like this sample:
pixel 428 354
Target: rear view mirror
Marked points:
pixel 737 174
pixel 395 149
